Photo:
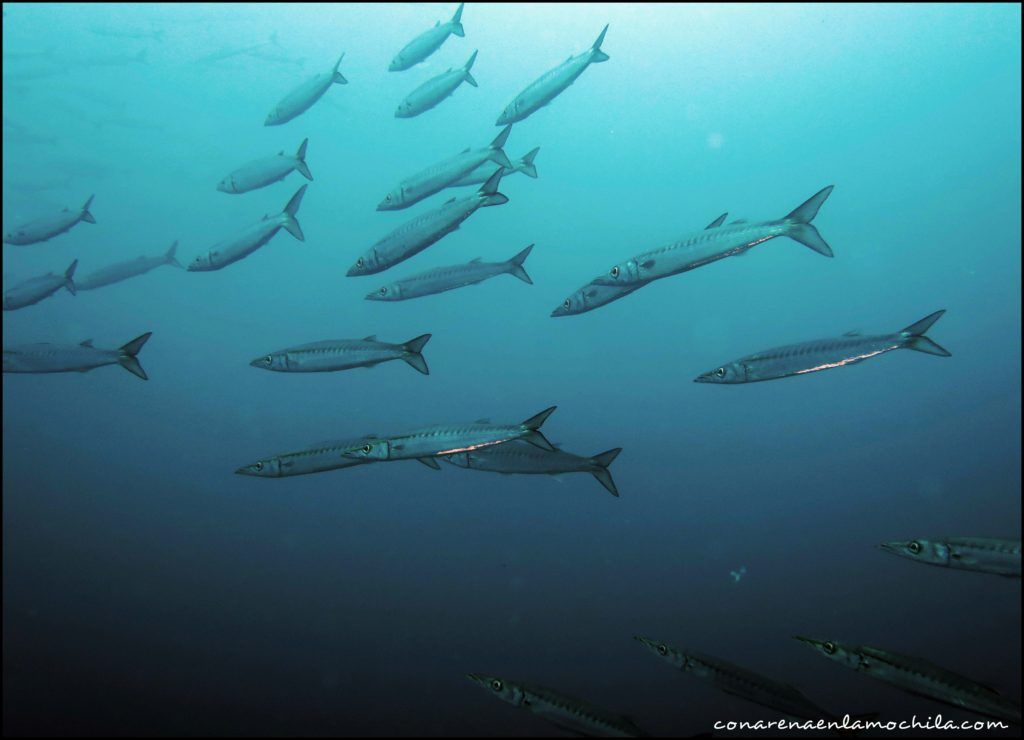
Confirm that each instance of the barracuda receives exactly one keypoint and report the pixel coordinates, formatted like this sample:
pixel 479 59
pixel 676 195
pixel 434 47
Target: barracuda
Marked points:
pixel 33 290
pixel 47 227
pixel 45 357
pixel 427 42
pixel 128 269
pixel 315 458
pixel 442 279
pixel 301 99
pixel 344 354
pixel 265 171
pixel 481 173
pixel 980 554
pixel 434 90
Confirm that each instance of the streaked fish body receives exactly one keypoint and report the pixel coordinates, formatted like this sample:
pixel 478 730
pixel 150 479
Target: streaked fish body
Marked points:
pixel 315 458
pixel 919 677
pixel 302 98
pixel 44 357
pixel 442 279
pixel 33 290
pixel 343 354
pixel 980 554
pixel 47 227
pixel 414 236
pixel 427 43
pixel 484 171
pixel 563 711
pixel 231 250
pixel 549 85
pixel 434 90
pixel 526 459
pixel 262 172
pixel 824 354
pixel 128 269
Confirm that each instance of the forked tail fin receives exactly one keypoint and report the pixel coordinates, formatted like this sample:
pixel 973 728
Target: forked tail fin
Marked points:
pixel 339 78
pixel 170 255
pixel 291 224
pixel 301 163
pixel 497 154
pixel 515 265
pixel 69 275
pixel 456 22
pixel 800 219
pixel 86 216
pixel 127 355
pixel 533 424
pixel 597 55
pixel 489 190
pixel 526 163
pixel 468 66
pixel 415 358
pixel 603 475
pixel 916 340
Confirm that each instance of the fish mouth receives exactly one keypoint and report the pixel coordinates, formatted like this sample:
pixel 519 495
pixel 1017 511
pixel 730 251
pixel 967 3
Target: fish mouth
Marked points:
pixel 246 470
pixel 399 113
pixel 645 641
pixel 374 296
pixel 809 641
pixel 259 362
pixel 354 271
pixel 703 378
pixel 888 546
pixel 560 311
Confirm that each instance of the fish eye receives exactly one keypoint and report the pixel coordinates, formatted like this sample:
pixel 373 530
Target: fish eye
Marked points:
pixel 829 647
pixel 384 291
pixel 269 360
pixel 567 303
pixel 259 466
pixel 497 685
pixel 914 547
pixel 359 262
pixel 387 198
pixel 367 448
pixel 615 271
pixel 720 372
pixel 662 650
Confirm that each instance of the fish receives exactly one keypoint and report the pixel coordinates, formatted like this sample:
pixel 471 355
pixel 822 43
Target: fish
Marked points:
pixel 441 440
pixel 234 51
pixel 484 171
pixel 301 99
pixel 314 458
pixel 108 60
pixel 552 83
pixel 116 33
pixel 434 90
pixel 344 354
pixel 224 253
pixel 128 269
pixel 35 289
pixel 47 227
pixel 919 677
pixel 427 43
pixel 266 171
pixel 712 244
pixel 824 354
pixel 563 711
pixel 44 357
pixel 442 279
pixel 414 236
pixel 525 458
pixel 438 176
pixel 594 295
pixel 980 554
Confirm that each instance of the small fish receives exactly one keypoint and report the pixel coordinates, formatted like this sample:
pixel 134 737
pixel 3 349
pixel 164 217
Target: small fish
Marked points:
pixel 224 253
pixel 980 554
pixel 736 575
pixel 33 290
pixel 414 236
pixel 315 458
pixel 301 99
pixel 234 51
pixel 484 171
pixel 427 43
pixel 64 358
pixel 344 354
pixel 552 83
pixel 131 268
pixel 824 354
pixel 442 279
pixel 919 677
pixel 117 33
pixel 564 712
pixel 524 458
pixel 47 227
pixel 263 172
pixel 434 90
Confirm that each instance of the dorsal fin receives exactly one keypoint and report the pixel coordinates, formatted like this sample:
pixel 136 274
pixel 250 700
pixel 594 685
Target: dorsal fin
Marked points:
pixel 64 211
pixel 467 148
pixel 482 421
pixel 717 222
pixel 371 338
pixel 437 23
pixel 86 343
pixel 450 200
pixel 854 333
pixel 281 153
pixel 569 59
pixel 739 221
pixel 475 259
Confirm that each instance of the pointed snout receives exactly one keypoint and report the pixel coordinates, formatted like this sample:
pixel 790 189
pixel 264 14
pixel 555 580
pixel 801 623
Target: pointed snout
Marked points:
pixel 703 378
pixel 246 470
pixel 809 641
pixel 372 296
pixel 354 271
pixel 888 546
pixel 644 641
pixel 259 362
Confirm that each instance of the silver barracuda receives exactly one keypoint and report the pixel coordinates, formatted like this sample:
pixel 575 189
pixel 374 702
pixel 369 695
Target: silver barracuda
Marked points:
pixel 45 357
pixel 552 83
pixel 414 236
pixel 434 90
pixel 824 354
pixel 231 250
pixel 919 677
pixel 437 177
pixel 437 441
pixel 427 43
pixel 33 290
pixel 524 458
pixel 442 279
pixel 980 554
pixel 563 711
pixel 484 171
pixel 314 458
pixel 263 172
pixel 128 269
pixel 344 354
pixel 47 227
pixel 301 99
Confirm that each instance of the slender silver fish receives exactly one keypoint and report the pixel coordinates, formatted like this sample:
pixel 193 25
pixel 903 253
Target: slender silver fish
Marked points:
pixel 263 172
pixel 438 176
pixel 128 269
pixel 980 554
pixel 36 289
pixel 824 354
pixel 441 440
pixel 224 253
pixel 47 227
pixel 524 458
pixel 344 354
pixel 45 357
pixel 301 99
pixel 481 173
pixel 434 90
pixel 414 236
pixel 552 83
pixel 427 43
pixel 563 711
pixel 314 458
pixel 920 678
pixel 441 279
